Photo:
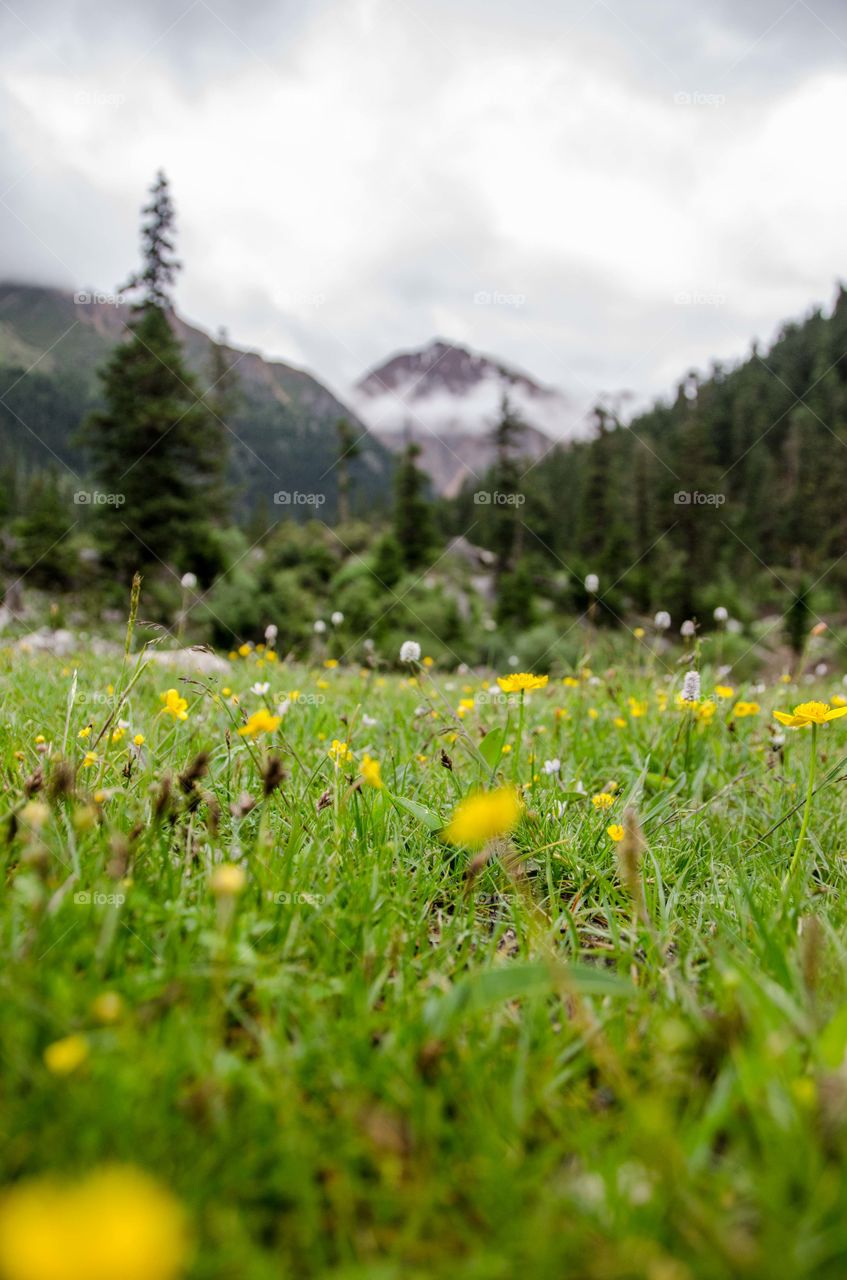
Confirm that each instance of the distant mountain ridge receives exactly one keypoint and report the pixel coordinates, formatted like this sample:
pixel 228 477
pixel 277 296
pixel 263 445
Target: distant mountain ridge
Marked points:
pixel 447 399
pixel 284 421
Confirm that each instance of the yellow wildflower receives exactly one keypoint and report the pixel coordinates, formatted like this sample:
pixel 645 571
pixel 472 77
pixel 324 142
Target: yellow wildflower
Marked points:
pixel 619 722
pixel 724 691
pixel 64 1056
pixel 84 733
pixel 742 709
pixel 331 664
pixel 174 704
pixel 227 880
pixel 117 1222
pixel 570 682
pixel 810 713
pixel 107 1007
pixel 261 721
pixel 637 707
pixel 521 682
pixel 602 800
pixel 482 816
pixel 244 650
pixel 340 751
pixel 139 739
pixel 89 759
pixel 118 733
pixel 639 633
pixel 615 832
pixel 371 771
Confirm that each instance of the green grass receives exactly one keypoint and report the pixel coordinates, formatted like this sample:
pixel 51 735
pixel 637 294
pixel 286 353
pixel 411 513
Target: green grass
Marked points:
pixel 382 1068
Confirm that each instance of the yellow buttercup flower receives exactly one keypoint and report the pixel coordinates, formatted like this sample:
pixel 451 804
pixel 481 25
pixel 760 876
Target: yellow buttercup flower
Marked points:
pixel 521 682
pixel 615 832
pixel 602 800
pixel 244 650
pixel 371 771
pixel 227 880
pixel 116 1223
pixel 261 721
pixel 742 709
pixel 810 713
pixel 483 816
pixel 64 1056
pixel 174 704
pixel 139 739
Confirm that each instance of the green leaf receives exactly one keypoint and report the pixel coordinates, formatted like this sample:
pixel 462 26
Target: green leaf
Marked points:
pixel 427 817
pixel 491 747
pixel 832 1042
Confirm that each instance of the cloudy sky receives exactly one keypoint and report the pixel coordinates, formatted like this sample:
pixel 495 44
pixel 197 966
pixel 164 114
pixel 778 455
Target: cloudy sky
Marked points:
pixel 604 192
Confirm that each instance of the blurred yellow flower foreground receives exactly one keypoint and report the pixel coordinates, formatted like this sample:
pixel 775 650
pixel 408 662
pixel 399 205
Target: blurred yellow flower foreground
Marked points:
pixel 116 1224
pixel 483 816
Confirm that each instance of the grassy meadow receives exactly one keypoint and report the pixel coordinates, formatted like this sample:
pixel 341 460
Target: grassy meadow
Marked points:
pixel 296 1001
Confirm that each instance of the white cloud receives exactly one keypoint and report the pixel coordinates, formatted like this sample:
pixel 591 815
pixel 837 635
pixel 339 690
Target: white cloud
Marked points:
pixel 348 189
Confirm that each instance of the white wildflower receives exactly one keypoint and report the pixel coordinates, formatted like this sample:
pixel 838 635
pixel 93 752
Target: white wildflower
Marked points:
pixel 721 614
pixel 410 651
pixel 369 721
pixel 688 629
pixel 271 633
pixel 319 627
pixel 188 581
pixel 662 620
pixel 592 584
pixel 691 687
pixel 337 618
pixel 552 766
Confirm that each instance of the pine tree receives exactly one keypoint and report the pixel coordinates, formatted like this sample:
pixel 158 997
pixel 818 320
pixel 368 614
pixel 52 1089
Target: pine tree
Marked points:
pixel 507 438
pixel 157 448
pixel 413 523
pixel 348 449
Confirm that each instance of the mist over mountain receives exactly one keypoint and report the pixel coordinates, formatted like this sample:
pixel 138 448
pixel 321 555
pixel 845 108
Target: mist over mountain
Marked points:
pixel 447 398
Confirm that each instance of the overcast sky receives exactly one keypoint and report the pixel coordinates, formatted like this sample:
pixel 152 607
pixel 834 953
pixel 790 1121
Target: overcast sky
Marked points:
pixel 604 192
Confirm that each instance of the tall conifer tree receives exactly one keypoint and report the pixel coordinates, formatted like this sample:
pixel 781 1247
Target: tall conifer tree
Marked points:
pixel 157 446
